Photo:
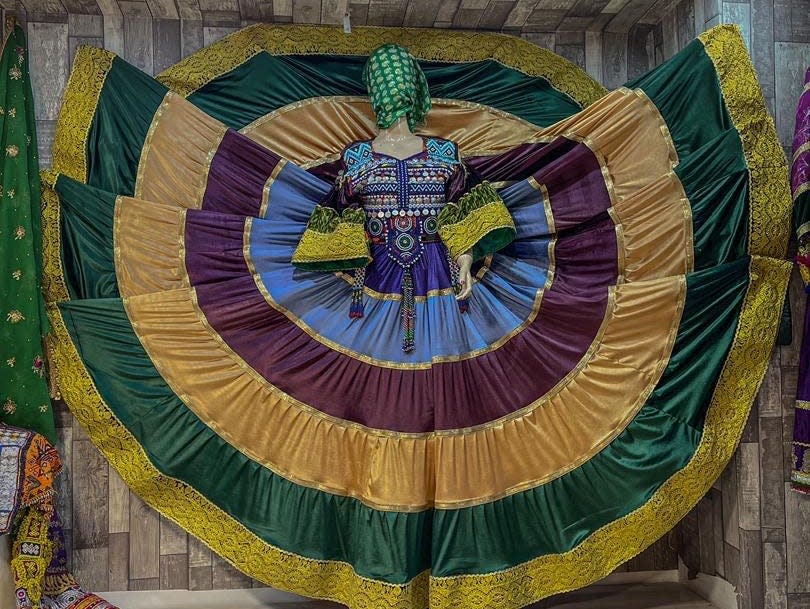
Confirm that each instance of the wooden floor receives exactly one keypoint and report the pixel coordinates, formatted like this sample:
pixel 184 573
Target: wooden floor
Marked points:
pixel 665 595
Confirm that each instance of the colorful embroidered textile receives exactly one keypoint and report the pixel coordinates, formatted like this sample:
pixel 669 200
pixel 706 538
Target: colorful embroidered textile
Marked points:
pixel 39 561
pixel 60 588
pixel 13 447
pixel 800 186
pixel 23 322
pixel 396 86
pixel 596 386
pixel 420 214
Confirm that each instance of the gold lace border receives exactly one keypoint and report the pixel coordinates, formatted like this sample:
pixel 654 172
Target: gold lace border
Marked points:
pixel 90 69
pixel 456 46
pixel 347 242
pixel 470 230
pixel 594 558
pixel 181 503
pixel 770 198
pixel 604 549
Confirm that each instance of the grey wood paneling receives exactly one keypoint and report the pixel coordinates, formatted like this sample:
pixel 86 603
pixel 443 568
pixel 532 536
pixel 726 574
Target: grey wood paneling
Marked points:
pixel 226 577
pixel 749 485
pixel 167 40
pixel 771 475
pixel 144 541
pixel 739 13
pixel 685 22
pixel 113 26
pixel 48 57
pixel 593 54
pixel 90 567
pixel 792 59
pixel 306 11
pixel 762 48
pixel 212 34
pixel 797 516
pixel 90 524
pixel 189 9
pixel 494 15
pixel 750 587
pixel 614 59
pixel 191 37
pixel 639 53
pixel 174 573
pixel 774 561
pixel 520 13
pixel 731 511
pixel 118 561
pixel 798 601
pixel 138 42
pixel 163 9
pixel 717 533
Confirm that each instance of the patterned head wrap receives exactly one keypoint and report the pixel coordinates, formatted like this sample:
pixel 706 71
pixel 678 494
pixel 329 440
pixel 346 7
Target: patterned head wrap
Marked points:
pixel 396 86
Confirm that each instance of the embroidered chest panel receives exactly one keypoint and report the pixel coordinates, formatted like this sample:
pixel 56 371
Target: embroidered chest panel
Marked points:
pixel 401 198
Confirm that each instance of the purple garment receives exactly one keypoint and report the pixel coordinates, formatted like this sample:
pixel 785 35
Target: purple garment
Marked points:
pixel 800 172
pixel 800 184
pixel 402 199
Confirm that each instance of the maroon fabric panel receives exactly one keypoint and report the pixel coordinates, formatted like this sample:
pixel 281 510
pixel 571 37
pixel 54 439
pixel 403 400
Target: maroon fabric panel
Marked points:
pixel 446 396
pixel 237 176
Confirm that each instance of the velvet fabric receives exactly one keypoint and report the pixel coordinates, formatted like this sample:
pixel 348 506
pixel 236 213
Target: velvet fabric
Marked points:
pixel 594 389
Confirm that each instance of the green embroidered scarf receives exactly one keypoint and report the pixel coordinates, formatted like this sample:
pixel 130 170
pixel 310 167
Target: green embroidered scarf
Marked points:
pixel 396 86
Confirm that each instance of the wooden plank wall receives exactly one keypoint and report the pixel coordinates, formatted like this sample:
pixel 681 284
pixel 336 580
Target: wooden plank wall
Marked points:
pixel 748 529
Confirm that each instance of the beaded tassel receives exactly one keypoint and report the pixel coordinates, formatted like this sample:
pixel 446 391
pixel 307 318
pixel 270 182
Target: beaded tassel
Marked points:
pixel 463 305
pixel 357 309
pixel 408 312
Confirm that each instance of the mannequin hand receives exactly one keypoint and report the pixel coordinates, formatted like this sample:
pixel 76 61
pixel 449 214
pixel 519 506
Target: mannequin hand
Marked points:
pixel 464 262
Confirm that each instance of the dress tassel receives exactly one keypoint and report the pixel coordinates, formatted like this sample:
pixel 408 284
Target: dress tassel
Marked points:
pixel 408 312
pixel 357 309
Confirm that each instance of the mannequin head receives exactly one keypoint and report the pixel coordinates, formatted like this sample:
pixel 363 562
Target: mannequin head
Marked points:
pixel 396 86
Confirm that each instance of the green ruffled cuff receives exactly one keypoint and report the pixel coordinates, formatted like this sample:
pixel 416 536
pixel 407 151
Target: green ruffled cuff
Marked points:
pixel 478 221
pixel 333 242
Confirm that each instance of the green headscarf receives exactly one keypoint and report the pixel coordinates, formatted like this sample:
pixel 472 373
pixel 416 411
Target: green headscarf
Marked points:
pixel 396 86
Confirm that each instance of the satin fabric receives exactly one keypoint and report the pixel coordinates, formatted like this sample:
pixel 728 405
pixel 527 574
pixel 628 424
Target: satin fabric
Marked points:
pixel 334 465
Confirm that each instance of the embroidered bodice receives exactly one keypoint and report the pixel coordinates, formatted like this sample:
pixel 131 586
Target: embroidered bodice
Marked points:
pixel 400 224
pixel 401 198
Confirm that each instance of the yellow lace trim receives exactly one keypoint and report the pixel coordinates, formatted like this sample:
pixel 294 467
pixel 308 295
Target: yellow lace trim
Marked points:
pixel 770 200
pixel 202 67
pixel 606 548
pixel 53 279
pixel 346 242
pixel 620 540
pixel 90 69
pixel 31 553
pixel 464 234
pixel 325 579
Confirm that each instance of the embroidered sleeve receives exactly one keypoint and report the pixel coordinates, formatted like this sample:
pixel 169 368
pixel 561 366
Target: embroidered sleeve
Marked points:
pixel 475 217
pixel 335 236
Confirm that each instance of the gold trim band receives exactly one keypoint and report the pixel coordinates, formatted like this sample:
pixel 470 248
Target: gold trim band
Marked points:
pixel 769 218
pixel 268 185
pixel 90 69
pixel 445 45
pixel 624 538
